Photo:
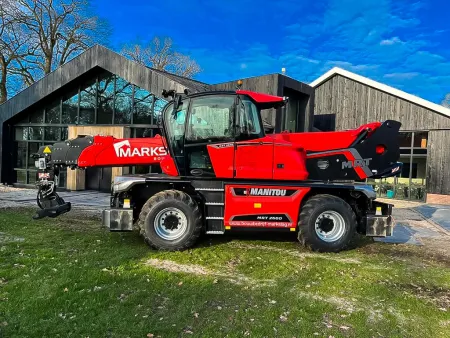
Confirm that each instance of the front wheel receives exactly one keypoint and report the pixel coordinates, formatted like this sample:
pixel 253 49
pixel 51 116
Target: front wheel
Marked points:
pixel 170 220
pixel 326 224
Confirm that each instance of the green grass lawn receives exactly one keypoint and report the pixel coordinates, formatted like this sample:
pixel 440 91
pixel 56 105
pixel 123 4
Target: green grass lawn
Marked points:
pixel 68 277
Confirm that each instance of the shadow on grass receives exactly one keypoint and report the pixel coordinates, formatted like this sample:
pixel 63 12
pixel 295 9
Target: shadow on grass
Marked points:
pixel 408 253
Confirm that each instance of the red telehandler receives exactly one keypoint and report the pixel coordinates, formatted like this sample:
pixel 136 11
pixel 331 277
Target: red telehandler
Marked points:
pixel 221 171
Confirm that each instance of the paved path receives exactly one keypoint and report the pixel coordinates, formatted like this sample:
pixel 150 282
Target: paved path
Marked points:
pixel 439 214
pixel 411 227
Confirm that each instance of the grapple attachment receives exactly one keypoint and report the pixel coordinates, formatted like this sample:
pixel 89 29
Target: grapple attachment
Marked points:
pixel 48 200
pixel 51 204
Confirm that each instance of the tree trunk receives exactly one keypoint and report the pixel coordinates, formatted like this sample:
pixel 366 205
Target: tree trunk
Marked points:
pixel 3 91
pixel 48 64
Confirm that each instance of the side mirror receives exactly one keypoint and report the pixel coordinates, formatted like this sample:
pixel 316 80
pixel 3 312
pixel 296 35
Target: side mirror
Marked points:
pixel 176 104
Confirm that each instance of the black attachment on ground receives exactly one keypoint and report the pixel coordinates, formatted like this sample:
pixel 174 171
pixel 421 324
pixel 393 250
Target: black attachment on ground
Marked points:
pixel 53 211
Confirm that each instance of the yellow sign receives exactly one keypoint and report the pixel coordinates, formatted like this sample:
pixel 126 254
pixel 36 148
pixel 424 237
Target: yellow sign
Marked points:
pixel 47 150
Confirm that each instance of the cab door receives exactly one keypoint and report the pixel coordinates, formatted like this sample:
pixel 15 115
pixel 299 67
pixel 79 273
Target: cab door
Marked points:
pixel 253 150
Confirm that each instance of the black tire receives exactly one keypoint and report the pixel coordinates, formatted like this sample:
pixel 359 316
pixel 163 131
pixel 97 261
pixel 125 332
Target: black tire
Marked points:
pixel 315 207
pixel 170 199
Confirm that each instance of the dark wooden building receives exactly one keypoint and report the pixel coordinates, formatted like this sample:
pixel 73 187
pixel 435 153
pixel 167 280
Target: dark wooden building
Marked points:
pixel 344 100
pixel 103 92
pixel 298 114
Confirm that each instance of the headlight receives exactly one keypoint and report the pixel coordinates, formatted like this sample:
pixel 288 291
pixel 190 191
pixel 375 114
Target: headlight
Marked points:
pixel 123 183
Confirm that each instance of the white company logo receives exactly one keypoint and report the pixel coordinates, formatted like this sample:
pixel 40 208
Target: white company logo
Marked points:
pixel 267 192
pixel 123 149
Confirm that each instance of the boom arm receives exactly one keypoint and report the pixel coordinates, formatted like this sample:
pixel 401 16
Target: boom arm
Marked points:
pixel 105 151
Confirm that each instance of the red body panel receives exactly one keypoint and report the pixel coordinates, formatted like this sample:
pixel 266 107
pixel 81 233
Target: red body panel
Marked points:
pixel 258 159
pixel 222 159
pixel 262 206
pixel 261 97
pixel 254 158
pixel 289 162
pixel 322 141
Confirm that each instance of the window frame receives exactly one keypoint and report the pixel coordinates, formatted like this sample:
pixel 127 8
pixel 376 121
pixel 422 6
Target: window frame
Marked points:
pixel 249 136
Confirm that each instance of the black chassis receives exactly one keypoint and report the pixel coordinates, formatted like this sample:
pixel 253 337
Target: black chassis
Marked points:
pixel 374 217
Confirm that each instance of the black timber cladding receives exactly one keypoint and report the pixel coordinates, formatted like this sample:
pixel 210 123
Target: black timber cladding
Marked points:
pixel 275 84
pixel 94 58
pixel 438 171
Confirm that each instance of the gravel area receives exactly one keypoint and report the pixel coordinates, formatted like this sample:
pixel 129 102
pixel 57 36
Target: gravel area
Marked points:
pixel 5 188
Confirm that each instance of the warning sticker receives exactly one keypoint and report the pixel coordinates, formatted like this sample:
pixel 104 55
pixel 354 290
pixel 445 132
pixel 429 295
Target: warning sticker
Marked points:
pixel 47 150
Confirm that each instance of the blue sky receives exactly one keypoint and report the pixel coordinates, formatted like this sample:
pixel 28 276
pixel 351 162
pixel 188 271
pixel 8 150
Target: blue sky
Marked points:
pixel 405 44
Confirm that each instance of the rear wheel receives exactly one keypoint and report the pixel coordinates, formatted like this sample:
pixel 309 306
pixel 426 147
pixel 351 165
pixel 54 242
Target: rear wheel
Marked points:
pixel 170 220
pixel 326 224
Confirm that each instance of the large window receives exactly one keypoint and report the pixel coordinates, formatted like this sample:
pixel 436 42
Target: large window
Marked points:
pixel 88 104
pixel 104 100
pixel 53 113
pixel 70 108
pixel 411 183
pixel 123 102
pixel 143 101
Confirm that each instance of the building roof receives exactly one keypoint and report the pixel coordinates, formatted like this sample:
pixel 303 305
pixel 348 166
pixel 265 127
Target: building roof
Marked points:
pixel 382 87
pixel 96 57
pixel 192 84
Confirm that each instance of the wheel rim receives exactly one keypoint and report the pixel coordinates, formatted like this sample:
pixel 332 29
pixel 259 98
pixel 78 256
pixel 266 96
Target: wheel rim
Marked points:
pixel 170 224
pixel 330 226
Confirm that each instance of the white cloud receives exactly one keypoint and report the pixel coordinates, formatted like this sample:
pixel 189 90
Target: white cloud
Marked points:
pixel 402 76
pixel 350 67
pixel 392 41
pixel 306 59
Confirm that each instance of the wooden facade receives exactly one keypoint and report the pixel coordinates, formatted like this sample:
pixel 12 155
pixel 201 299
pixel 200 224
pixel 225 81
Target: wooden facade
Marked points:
pixel 438 172
pixel 343 103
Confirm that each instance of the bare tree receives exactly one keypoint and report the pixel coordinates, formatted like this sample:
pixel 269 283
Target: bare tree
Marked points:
pixel 183 65
pixel 162 56
pixel 14 47
pixel 446 101
pixel 60 30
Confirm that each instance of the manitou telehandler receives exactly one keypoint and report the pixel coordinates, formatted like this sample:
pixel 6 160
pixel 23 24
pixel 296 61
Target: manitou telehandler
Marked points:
pixel 221 171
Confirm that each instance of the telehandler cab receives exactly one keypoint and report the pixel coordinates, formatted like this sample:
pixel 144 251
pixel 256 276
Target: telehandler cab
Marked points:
pixel 221 171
